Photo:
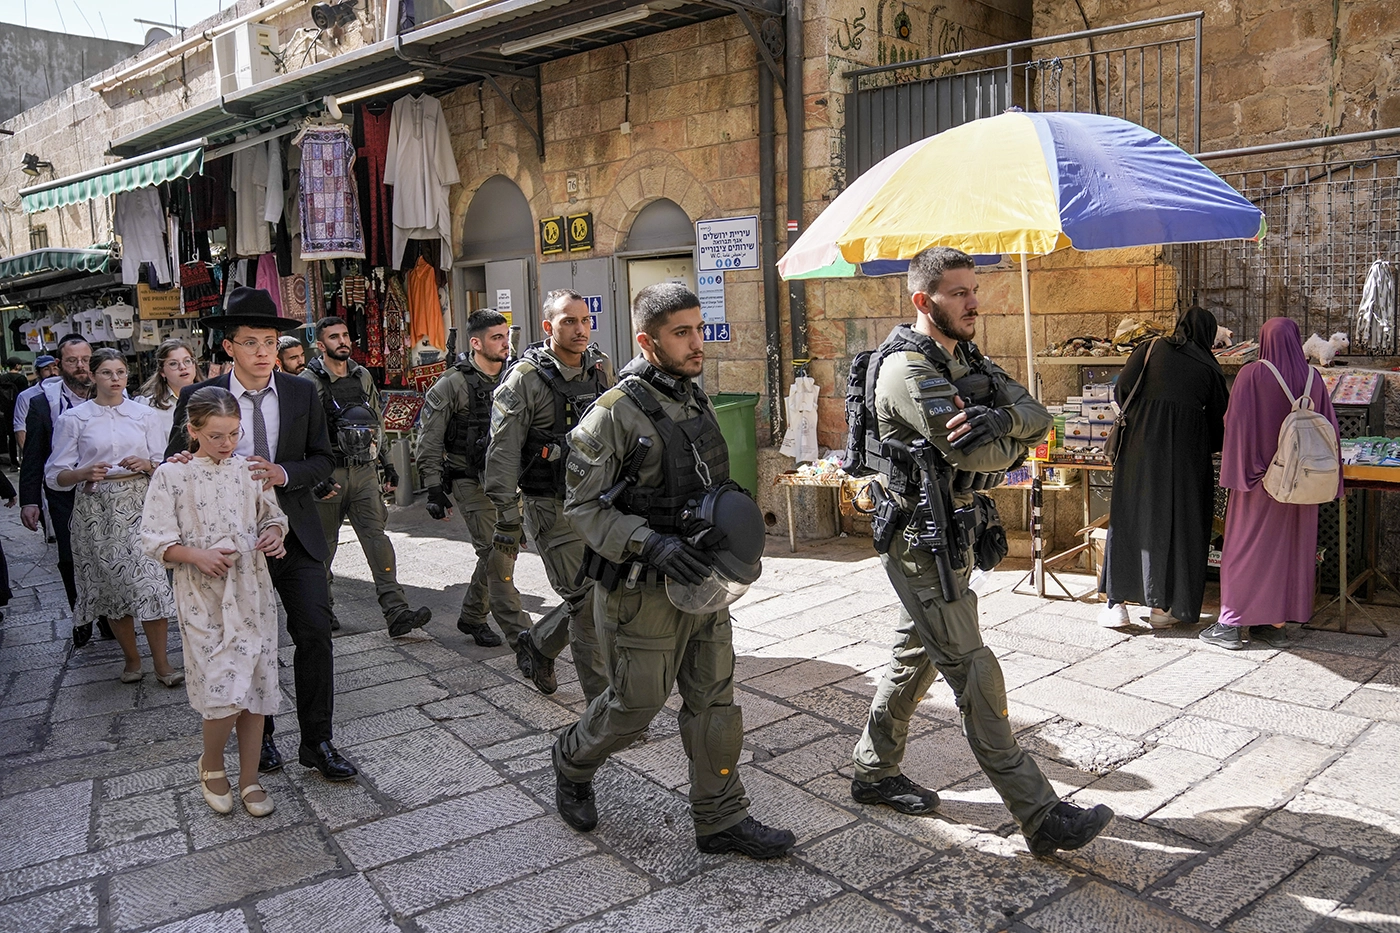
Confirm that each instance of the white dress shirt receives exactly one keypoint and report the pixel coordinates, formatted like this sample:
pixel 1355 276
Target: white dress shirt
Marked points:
pixel 91 433
pixel 166 416
pixel 272 416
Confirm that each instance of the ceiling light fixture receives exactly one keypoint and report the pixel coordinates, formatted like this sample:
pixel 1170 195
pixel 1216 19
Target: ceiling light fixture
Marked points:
pixel 385 88
pixel 565 33
pixel 32 163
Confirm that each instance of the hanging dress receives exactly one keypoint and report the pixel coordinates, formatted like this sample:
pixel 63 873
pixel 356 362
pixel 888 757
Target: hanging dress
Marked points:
pixel 330 210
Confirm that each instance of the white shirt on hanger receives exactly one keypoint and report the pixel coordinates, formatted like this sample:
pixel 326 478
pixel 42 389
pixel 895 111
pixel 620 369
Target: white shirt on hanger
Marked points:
pixel 252 199
pixel 421 167
pixel 91 433
pixel 139 219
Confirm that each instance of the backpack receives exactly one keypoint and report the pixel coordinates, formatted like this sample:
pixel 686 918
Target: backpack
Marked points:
pixel 1306 468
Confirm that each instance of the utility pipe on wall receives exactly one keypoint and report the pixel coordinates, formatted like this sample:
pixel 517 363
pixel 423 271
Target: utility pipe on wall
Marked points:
pixel 768 237
pixel 796 123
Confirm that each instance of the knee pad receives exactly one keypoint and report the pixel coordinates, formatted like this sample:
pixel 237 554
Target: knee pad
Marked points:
pixel 714 739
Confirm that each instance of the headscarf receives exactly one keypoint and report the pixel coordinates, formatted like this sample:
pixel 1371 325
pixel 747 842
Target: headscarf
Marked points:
pixel 1195 335
pixel 1258 406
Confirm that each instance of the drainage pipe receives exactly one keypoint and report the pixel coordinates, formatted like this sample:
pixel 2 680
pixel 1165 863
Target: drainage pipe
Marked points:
pixel 796 122
pixel 768 238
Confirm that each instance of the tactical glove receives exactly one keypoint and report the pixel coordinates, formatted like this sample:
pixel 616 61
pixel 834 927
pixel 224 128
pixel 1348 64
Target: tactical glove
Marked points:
pixel 390 475
pixel 986 425
pixel 506 540
pixel 676 558
pixel 325 489
pixel 439 503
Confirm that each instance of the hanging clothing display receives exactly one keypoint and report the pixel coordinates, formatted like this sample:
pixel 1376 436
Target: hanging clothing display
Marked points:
pixel 257 197
pixel 330 211
pixel 372 147
pixel 139 220
pixel 421 167
pixel 424 308
pixel 395 325
pixel 294 297
pixel 201 292
pixel 209 195
pixel 268 279
pixel 374 332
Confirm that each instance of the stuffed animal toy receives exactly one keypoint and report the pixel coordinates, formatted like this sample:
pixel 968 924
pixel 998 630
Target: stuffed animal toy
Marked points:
pixel 1322 351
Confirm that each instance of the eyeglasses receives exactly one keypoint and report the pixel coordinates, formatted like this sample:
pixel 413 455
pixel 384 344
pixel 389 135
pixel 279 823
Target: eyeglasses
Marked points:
pixel 219 439
pixel 253 346
pixel 179 364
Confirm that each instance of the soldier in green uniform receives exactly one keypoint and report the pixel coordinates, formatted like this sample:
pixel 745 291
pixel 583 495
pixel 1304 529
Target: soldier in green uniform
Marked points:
pixel 657 433
pixel 354 416
pixel 539 401
pixel 452 455
pixel 924 372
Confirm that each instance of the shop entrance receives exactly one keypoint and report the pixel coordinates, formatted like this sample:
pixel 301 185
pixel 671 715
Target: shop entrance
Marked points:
pixel 660 247
pixel 496 264
pixel 593 279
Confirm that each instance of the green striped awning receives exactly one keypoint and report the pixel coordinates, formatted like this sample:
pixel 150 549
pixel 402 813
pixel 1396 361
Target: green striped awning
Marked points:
pixel 53 260
pixel 127 175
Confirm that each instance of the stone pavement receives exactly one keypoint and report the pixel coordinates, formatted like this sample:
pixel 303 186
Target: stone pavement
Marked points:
pixel 1255 791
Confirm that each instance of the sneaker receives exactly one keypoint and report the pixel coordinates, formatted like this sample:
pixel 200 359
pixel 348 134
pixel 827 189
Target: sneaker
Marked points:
pixel 406 620
pixel 897 792
pixel 1068 827
pixel 1270 636
pixel 1159 619
pixel 534 665
pixel 575 802
pixel 1228 637
pixel 480 632
pixel 748 837
pixel 1114 615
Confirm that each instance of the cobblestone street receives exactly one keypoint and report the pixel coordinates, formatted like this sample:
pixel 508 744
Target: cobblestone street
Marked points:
pixel 1255 791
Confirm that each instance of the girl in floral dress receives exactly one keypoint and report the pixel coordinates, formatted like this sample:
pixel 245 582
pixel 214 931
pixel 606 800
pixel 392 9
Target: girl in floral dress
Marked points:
pixel 216 526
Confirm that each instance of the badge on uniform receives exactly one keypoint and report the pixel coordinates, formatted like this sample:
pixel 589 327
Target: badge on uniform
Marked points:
pixel 933 382
pixel 577 466
pixel 933 407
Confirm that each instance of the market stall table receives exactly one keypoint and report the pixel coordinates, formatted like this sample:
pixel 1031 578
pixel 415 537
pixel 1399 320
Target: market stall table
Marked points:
pixel 841 486
pixel 1370 479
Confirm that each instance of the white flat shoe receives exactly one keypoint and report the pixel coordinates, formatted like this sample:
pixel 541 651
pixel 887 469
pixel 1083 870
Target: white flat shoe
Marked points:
pixel 219 803
pixel 132 677
pixel 1114 616
pixel 1159 619
pixel 262 807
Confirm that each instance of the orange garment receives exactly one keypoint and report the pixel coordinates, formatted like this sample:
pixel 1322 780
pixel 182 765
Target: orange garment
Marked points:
pixel 424 309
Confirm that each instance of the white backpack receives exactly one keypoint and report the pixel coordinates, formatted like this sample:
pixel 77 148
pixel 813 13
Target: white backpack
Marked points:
pixel 1306 467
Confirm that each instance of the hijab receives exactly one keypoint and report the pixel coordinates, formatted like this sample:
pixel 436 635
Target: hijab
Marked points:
pixel 1195 335
pixel 1281 343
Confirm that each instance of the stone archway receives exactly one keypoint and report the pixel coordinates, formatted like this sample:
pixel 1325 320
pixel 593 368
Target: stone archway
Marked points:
pixel 644 178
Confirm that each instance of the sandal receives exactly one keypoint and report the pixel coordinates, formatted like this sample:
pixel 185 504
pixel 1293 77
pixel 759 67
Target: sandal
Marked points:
pixel 262 807
pixel 219 803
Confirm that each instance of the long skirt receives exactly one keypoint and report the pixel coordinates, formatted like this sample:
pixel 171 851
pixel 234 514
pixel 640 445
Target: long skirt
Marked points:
pixel 115 577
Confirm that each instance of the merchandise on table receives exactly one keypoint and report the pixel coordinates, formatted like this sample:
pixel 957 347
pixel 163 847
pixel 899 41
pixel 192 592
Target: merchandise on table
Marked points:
pixel 1371 451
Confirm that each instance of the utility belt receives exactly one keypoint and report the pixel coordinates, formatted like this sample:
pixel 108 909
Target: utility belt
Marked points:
pixel 633 573
pixel 978 525
pixel 450 474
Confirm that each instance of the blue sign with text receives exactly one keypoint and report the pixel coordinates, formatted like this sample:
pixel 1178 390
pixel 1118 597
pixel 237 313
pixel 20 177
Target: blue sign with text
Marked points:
pixel 717 333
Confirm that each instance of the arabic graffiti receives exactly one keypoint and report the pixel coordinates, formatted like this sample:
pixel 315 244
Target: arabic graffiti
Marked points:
pixel 853 30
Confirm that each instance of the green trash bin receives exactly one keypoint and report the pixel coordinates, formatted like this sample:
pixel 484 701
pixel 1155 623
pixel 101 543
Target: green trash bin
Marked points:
pixel 735 411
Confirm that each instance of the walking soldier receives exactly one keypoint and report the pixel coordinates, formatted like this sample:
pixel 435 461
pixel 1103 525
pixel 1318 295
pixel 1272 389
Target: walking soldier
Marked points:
pixel 539 401
pixel 354 416
pixel 670 544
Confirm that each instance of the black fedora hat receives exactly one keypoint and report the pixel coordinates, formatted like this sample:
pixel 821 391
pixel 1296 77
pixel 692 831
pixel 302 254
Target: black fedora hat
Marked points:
pixel 249 307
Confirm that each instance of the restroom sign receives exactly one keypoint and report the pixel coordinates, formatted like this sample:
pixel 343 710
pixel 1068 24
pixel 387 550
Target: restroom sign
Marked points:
pixel 716 333
pixel 727 243
pixel 595 308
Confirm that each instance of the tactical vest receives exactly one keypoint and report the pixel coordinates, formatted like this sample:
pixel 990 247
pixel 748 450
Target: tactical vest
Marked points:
pixel 469 430
pixel 341 395
pixel 685 446
pixel 864 449
pixel 545 477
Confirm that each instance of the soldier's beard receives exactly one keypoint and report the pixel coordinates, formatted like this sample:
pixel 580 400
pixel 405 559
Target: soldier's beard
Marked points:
pixel 684 368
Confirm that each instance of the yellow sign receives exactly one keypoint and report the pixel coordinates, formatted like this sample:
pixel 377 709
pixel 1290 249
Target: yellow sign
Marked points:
pixel 153 304
pixel 580 232
pixel 552 235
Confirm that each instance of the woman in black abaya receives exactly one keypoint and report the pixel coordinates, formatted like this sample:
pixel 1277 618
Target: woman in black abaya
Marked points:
pixel 1163 485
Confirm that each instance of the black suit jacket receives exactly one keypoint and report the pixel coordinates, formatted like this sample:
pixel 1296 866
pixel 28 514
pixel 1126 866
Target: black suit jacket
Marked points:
pixel 38 444
pixel 303 450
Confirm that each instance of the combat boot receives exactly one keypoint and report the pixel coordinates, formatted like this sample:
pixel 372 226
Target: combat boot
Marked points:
pixel 534 665
pixel 898 793
pixel 1068 827
pixel 480 632
pixel 748 837
pixel 575 802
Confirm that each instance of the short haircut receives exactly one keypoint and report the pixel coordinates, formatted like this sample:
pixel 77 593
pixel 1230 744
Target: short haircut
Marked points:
pixel 68 339
pixel 330 320
pixel 926 269
pixel 558 301
pixel 482 321
pixel 14 362
pixel 656 303
pixel 105 355
pixel 209 402
pixel 287 342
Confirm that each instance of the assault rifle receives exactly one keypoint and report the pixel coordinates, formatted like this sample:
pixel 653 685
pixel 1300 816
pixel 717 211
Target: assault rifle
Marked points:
pixel 933 526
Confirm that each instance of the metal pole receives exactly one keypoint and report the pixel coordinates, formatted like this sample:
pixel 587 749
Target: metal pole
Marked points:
pixel 1026 314
pixel 1196 145
pixel 796 123
pixel 768 237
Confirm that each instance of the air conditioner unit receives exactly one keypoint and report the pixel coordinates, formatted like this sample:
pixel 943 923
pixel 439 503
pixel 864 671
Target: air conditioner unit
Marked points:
pixel 243 57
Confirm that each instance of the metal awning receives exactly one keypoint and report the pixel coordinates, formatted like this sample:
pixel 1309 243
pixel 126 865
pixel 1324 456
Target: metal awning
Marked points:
pixel 127 175
pixel 17 269
pixel 462 48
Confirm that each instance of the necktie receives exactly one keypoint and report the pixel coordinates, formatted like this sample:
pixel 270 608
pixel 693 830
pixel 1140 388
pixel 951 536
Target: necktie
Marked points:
pixel 259 426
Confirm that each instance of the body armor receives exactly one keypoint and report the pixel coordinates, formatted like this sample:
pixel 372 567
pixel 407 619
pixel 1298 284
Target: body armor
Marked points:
pixel 469 430
pixel 353 426
pixel 546 451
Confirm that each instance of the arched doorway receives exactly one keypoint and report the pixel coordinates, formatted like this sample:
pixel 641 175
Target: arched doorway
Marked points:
pixel 495 265
pixel 660 247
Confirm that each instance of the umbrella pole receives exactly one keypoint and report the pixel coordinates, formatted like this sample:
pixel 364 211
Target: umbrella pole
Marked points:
pixel 1037 492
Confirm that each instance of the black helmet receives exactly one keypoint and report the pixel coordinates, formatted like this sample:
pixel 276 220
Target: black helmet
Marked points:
pixel 729 515
pixel 357 434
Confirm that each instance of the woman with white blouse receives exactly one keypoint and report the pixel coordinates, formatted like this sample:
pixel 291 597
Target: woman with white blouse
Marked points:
pixel 107 448
pixel 176 368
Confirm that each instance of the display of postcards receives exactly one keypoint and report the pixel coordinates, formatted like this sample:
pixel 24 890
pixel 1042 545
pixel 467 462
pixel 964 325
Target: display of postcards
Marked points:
pixel 1098 393
pixel 1356 389
pixel 1330 380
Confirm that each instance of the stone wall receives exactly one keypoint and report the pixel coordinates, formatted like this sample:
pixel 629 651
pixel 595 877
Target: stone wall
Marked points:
pixel 35 63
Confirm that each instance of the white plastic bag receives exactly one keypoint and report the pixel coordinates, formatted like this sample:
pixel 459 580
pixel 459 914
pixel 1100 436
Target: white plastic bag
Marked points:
pixel 800 440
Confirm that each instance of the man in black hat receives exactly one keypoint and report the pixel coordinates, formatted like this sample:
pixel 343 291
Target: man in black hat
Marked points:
pixel 287 446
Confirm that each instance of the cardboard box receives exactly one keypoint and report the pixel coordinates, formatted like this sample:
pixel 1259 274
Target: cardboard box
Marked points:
pixel 1078 442
pixel 1098 432
pixel 1098 393
pixel 1098 411
pixel 1077 428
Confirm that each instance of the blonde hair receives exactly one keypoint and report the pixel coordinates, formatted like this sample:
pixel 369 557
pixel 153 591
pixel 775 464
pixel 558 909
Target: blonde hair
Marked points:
pixel 209 402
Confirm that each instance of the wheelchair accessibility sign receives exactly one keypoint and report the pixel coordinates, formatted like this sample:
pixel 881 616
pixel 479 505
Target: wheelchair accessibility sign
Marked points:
pixel 716 333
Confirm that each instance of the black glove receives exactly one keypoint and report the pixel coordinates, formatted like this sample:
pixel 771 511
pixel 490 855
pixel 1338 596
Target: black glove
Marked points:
pixel 391 475
pixel 506 540
pixel 439 503
pixel 325 489
pixel 986 424
pixel 676 558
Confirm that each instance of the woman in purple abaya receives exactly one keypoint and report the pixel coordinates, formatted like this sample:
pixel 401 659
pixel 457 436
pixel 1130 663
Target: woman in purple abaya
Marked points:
pixel 1267 571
